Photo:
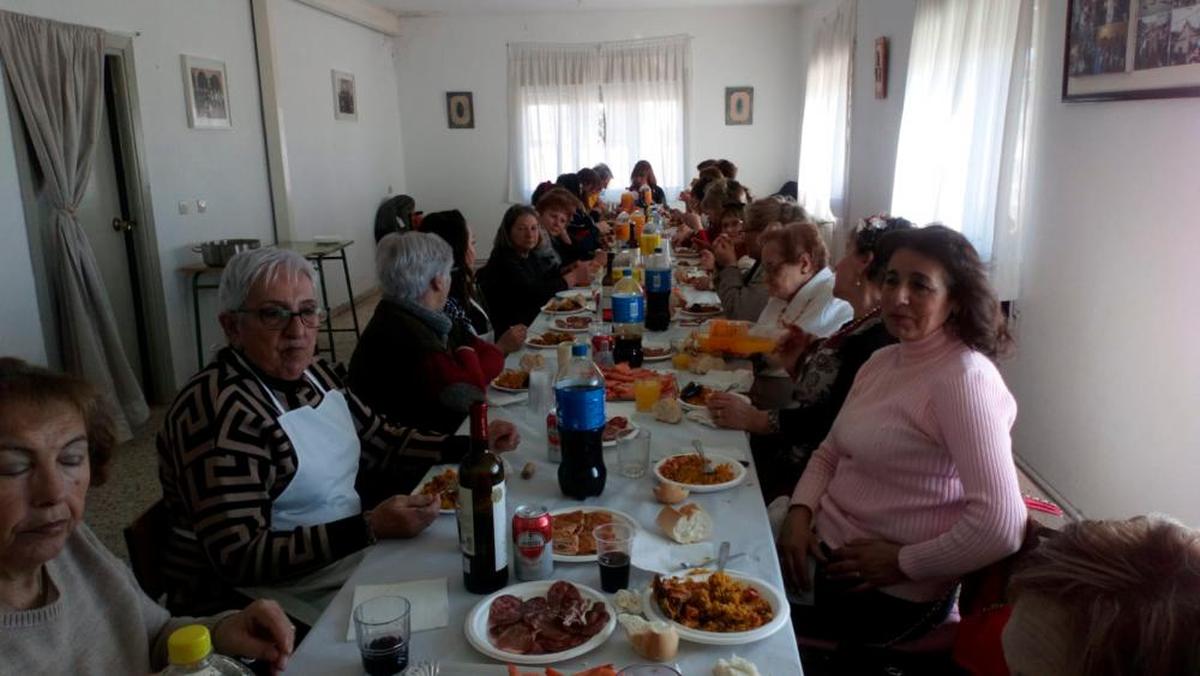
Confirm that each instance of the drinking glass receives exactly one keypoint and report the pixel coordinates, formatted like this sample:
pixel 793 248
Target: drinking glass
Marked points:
pixel 648 670
pixel 382 626
pixel 614 545
pixel 633 456
pixel 541 391
pixel 646 393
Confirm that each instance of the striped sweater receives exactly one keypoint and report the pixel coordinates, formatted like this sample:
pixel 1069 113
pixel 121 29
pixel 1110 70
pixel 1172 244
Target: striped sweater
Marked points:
pixel 223 459
pixel 921 455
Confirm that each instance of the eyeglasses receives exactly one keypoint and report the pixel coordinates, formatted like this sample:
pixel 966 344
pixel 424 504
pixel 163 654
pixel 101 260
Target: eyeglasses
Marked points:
pixel 276 318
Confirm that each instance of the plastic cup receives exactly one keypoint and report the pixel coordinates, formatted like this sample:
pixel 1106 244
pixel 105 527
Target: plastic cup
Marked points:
pixel 382 627
pixel 614 548
pixel 633 456
pixel 646 393
pixel 541 391
pixel 648 670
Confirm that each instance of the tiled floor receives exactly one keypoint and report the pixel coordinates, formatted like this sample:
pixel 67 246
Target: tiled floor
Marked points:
pixel 133 484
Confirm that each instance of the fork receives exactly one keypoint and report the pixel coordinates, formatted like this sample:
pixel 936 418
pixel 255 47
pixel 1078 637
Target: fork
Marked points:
pixel 708 468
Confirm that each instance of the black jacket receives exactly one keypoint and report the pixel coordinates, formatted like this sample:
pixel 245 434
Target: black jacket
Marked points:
pixel 516 288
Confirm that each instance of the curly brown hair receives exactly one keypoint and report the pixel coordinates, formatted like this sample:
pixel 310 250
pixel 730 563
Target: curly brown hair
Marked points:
pixel 558 199
pixel 796 239
pixel 24 383
pixel 977 319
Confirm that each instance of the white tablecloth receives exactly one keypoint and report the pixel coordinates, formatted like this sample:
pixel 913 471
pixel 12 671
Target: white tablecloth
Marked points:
pixel 739 515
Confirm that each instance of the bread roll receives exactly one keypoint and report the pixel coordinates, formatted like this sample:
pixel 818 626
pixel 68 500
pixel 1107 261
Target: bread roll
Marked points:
pixel 655 641
pixel 532 360
pixel 670 494
pixel 688 524
pixel 668 411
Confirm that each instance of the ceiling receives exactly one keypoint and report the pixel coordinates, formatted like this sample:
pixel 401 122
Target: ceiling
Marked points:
pixel 436 7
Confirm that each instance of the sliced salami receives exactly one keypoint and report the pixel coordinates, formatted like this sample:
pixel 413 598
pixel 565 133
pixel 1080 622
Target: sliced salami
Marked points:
pixel 504 610
pixel 516 638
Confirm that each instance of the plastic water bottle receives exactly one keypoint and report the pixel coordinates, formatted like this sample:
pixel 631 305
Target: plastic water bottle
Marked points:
pixel 629 314
pixel 579 393
pixel 658 291
pixel 189 650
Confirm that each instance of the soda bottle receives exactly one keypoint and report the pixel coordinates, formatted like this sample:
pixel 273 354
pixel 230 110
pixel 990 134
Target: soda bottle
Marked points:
pixel 579 392
pixel 658 292
pixel 629 313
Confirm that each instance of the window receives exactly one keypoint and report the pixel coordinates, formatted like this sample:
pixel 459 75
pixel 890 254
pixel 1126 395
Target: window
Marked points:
pixel 960 156
pixel 825 133
pixel 573 106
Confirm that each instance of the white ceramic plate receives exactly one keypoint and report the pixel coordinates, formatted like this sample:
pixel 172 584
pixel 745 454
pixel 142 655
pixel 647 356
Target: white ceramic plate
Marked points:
pixel 434 471
pixel 583 293
pixel 684 312
pixel 589 558
pixel 555 327
pixel 511 390
pixel 670 352
pixel 773 596
pixel 686 253
pixel 538 346
pixel 739 473
pixel 475 627
pixel 630 432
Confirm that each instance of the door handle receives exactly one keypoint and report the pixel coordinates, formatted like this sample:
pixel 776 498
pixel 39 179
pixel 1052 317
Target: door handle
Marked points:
pixel 122 225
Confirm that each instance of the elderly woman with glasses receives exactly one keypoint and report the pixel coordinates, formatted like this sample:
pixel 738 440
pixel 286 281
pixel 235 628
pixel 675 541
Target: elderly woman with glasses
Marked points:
pixel 268 462
pixel 58 582
pixel 413 363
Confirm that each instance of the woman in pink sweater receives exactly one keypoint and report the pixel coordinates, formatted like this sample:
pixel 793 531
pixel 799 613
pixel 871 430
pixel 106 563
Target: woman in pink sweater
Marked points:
pixel 915 485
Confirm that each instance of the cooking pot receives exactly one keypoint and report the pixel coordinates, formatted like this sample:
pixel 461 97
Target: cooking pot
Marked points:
pixel 217 252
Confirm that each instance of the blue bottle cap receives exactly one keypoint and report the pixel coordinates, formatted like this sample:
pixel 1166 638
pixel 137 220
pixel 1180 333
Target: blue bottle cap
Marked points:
pixel 579 350
pixel 627 271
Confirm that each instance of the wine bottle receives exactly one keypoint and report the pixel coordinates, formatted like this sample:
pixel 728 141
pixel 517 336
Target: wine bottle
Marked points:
pixel 482 517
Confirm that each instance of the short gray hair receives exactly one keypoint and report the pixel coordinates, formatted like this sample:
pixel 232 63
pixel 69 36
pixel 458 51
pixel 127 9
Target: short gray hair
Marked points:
pixel 408 262
pixel 249 267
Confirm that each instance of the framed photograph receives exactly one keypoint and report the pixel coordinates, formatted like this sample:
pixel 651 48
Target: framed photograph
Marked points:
pixel 345 96
pixel 1131 49
pixel 460 110
pixel 739 105
pixel 206 90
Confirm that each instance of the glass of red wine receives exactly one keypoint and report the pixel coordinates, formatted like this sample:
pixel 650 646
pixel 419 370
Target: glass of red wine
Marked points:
pixel 614 545
pixel 382 626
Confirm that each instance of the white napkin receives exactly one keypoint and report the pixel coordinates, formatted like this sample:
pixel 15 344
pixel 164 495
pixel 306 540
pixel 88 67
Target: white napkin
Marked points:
pixel 739 380
pixel 656 554
pixel 429 603
pixel 498 398
pixel 702 416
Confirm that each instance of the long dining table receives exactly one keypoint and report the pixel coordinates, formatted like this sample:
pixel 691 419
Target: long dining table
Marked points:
pixel 738 513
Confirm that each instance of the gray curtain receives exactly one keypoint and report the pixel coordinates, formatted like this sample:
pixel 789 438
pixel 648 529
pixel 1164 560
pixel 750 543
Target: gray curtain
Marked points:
pixel 56 71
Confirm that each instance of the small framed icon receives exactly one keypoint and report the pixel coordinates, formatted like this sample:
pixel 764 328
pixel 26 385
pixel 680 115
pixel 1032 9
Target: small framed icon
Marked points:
pixel 460 110
pixel 739 105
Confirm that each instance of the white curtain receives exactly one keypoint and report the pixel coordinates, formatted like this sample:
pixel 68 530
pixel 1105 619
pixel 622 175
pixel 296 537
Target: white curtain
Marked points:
pixel 825 130
pixel 56 71
pixel 960 155
pixel 573 106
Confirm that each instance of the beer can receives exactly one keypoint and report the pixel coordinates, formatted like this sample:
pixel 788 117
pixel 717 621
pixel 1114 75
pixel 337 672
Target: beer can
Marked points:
pixel 533 542
pixel 553 444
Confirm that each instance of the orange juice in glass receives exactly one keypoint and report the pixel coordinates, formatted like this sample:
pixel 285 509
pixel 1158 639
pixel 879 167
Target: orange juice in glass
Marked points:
pixel 627 199
pixel 621 231
pixel 646 393
pixel 681 360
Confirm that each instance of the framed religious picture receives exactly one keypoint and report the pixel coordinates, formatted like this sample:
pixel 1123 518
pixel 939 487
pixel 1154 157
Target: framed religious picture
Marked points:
pixel 739 105
pixel 206 91
pixel 1131 49
pixel 345 96
pixel 460 110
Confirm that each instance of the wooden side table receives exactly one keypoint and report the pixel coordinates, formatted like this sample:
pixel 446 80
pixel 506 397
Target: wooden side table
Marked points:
pixel 318 253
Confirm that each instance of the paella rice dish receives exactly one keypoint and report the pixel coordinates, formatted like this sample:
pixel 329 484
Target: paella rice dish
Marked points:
pixel 717 604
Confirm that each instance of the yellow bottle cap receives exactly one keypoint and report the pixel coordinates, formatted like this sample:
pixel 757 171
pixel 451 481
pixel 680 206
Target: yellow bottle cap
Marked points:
pixel 188 645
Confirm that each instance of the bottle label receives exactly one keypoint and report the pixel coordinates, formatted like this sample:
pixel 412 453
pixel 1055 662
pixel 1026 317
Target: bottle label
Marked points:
pixel 466 524
pixel 500 526
pixel 658 281
pixel 580 409
pixel 466 521
pixel 629 309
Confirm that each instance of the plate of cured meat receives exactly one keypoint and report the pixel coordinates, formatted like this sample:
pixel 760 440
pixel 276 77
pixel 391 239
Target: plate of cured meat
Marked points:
pixel 617 429
pixel 540 622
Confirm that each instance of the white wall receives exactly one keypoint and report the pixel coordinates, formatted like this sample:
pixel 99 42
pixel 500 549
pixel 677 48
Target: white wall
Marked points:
pixel 466 169
pixel 225 168
pixel 1107 374
pixel 20 332
pixel 339 170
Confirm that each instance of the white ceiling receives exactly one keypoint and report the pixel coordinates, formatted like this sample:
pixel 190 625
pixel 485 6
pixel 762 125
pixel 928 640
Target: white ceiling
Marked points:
pixel 434 7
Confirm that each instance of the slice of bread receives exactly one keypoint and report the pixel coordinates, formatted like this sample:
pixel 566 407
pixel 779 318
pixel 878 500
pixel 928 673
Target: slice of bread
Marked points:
pixel 687 524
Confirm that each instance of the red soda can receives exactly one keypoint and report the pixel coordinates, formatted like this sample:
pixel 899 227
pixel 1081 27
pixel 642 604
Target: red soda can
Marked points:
pixel 533 540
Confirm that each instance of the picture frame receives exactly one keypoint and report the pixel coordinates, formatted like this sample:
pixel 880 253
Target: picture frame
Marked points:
pixel 881 67
pixel 1131 49
pixel 206 93
pixel 739 106
pixel 345 96
pixel 460 110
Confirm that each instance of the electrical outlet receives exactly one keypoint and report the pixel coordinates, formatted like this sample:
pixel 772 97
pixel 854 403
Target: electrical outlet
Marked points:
pixel 185 208
pixel 201 206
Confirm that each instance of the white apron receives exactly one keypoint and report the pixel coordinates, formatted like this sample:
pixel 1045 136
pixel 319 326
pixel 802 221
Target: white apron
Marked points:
pixel 321 491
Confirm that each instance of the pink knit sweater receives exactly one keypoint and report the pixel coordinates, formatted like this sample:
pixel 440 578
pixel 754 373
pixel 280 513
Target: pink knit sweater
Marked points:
pixel 921 455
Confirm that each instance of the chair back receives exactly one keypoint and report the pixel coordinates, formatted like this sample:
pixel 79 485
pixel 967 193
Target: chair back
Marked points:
pixel 145 539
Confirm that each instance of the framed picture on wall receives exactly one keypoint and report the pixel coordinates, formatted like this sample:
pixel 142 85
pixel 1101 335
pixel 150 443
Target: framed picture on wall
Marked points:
pixel 1131 49
pixel 739 105
pixel 345 96
pixel 460 110
pixel 206 91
